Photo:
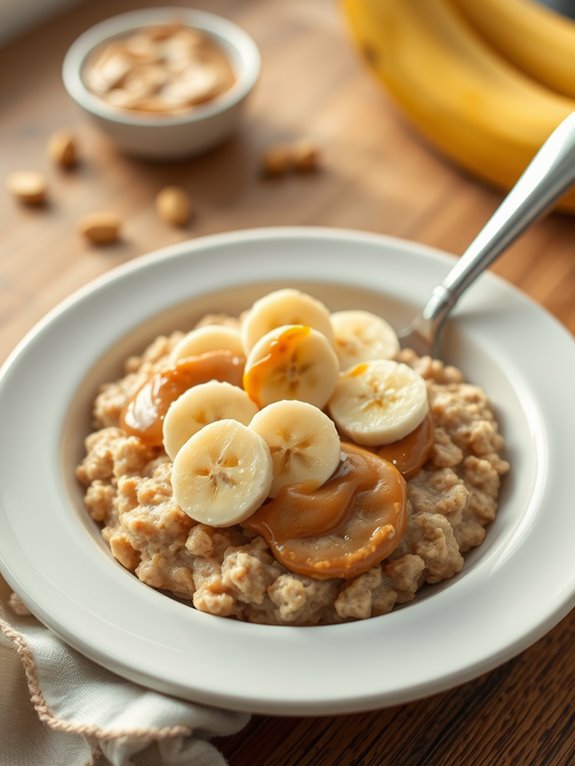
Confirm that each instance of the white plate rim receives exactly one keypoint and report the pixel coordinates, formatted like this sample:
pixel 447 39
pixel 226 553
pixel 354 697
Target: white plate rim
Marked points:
pixel 332 697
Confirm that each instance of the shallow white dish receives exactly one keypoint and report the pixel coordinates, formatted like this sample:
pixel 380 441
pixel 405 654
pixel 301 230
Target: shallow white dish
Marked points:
pixel 512 590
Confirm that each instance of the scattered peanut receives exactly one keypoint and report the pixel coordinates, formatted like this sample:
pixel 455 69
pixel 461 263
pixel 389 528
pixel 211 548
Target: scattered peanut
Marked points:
pixel 301 157
pixel 62 149
pixel 277 161
pixel 305 156
pixel 174 206
pixel 28 187
pixel 101 228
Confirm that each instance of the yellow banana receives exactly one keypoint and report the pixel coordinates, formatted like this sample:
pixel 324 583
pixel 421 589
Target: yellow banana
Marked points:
pixel 468 101
pixel 537 40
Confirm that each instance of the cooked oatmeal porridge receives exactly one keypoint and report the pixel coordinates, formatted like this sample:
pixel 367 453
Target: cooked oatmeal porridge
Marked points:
pixel 292 466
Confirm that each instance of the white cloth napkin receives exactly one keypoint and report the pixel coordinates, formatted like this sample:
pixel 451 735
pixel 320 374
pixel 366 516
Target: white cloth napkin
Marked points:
pixel 59 708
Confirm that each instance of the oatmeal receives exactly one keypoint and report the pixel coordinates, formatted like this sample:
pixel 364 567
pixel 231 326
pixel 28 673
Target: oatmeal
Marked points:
pixel 292 542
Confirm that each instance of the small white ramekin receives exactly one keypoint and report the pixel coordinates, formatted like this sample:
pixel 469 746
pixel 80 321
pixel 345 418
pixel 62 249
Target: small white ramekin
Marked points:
pixel 166 136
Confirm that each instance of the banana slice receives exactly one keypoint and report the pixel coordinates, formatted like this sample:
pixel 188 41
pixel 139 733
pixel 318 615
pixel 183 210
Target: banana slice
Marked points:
pixel 203 404
pixel 379 402
pixel 208 338
pixel 361 336
pixel 284 307
pixel 303 442
pixel 222 474
pixel 291 362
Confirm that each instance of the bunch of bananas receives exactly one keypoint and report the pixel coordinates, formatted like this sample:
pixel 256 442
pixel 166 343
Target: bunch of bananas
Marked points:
pixel 486 81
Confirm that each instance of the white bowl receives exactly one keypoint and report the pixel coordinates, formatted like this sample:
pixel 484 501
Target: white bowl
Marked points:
pixel 512 589
pixel 166 136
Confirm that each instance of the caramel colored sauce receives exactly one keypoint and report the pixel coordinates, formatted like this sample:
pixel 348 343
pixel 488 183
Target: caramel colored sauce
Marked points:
pixel 144 414
pixel 281 360
pixel 411 452
pixel 343 528
pixel 356 371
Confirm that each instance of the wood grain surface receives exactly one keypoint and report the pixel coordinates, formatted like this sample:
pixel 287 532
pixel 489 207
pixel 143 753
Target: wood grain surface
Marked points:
pixel 377 175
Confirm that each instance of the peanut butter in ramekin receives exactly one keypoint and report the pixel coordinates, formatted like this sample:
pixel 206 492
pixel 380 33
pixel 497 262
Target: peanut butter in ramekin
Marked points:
pixel 165 69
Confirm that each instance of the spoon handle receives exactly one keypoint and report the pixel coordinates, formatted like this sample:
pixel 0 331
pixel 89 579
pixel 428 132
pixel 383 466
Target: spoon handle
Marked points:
pixel 549 174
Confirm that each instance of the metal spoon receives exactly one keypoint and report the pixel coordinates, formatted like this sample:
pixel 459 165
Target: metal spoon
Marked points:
pixel 549 174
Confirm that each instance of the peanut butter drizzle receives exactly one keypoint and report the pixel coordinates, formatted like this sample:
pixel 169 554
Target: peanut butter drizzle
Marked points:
pixel 143 415
pixel 343 528
pixel 411 452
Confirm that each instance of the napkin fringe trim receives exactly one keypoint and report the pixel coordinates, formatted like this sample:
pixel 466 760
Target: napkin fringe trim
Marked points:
pixel 46 715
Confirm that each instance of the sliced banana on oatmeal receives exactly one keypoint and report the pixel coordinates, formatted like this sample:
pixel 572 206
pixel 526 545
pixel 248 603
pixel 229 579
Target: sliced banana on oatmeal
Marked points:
pixel 361 336
pixel 284 307
pixel 303 442
pixel 222 474
pixel 208 338
pixel 203 404
pixel 378 402
pixel 291 362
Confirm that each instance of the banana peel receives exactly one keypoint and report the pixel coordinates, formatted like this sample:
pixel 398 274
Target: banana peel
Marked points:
pixel 539 41
pixel 465 98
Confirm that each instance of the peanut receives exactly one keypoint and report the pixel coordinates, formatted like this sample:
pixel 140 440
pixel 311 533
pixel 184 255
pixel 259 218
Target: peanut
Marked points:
pixel 277 161
pixel 174 206
pixel 301 157
pixel 305 156
pixel 100 228
pixel 28 187
pixel 62 149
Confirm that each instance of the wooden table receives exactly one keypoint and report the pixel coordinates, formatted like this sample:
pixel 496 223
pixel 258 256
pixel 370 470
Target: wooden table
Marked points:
pixel 377 175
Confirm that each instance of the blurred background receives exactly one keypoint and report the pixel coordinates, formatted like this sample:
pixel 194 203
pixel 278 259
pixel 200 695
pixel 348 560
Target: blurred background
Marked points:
pixel 329 78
